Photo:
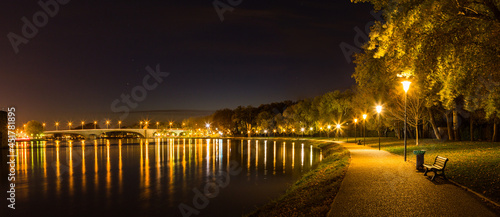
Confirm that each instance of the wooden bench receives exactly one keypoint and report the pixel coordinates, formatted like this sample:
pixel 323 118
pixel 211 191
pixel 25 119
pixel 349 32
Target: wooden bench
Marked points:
pixel 438 166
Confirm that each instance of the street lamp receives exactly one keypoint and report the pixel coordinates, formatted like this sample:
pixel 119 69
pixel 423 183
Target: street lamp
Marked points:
pixel 95 125
pixel 158 124
pixel 83 122
pixel 329 130
pixel 57 125
pixel 302 129
pixel 119 124
pixel 140 125
pixel 107 124
pixel 364 129
pixel 69 125
pixel 355 122
pixel 170 124
pixel 379 109
pixel 406 87
pixel 43 127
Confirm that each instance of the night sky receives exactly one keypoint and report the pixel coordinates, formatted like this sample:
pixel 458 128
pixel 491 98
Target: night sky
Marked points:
pixel 91 52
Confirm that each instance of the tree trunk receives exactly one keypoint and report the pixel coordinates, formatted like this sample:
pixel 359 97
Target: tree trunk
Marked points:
pixel 433 124
pixel 471 126
pixel 494 137
pixel 410 134
pixel 416 130
pixel 397 130
pixel 455 124
pixel 449 124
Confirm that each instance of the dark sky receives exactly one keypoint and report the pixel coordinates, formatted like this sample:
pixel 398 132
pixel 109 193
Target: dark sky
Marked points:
pixel 91 52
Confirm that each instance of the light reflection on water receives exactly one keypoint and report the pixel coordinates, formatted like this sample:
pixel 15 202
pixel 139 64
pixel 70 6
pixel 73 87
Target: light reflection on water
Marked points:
pixel 152 177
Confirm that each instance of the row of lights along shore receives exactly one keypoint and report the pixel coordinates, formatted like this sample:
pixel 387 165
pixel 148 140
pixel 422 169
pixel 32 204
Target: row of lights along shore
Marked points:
pixel 406 87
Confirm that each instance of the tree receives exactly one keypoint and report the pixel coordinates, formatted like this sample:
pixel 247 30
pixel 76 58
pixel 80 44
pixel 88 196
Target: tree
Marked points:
pixel 222 119
pixel 33 128
pixel 446 46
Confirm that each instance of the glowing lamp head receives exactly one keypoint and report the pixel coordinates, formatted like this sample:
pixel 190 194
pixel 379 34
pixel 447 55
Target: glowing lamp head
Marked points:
pixel 302 129
pixel 406 85
pixel 207 125
pixel 379 109
pixel 310 128
pixel 265 131
pixel 338 126
pixel 329 126
pixel 364 116
pixel 355 120
pixel 119 122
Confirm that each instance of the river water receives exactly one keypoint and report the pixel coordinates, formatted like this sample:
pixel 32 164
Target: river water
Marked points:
pixel 161 177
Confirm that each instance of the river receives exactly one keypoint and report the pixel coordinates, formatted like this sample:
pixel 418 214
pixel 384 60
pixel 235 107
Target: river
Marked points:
pixel 160 177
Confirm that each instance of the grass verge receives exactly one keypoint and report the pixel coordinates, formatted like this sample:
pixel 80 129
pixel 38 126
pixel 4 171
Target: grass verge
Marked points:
pixel 313 194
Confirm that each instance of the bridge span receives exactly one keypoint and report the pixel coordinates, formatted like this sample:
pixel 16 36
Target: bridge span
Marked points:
pixel 88 133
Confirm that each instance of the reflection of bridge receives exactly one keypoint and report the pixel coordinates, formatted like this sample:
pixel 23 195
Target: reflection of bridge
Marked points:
pixel 89 133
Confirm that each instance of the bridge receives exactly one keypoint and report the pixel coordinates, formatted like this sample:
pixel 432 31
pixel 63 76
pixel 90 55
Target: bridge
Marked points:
pixel 89 133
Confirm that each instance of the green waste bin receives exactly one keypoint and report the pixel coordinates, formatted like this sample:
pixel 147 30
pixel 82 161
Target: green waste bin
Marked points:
pixel 420 159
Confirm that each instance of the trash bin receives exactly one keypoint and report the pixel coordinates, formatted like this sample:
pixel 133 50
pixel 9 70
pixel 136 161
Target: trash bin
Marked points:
pixel 420 159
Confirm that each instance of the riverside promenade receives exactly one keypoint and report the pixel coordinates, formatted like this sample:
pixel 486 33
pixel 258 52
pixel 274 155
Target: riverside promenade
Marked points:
pixel 379 183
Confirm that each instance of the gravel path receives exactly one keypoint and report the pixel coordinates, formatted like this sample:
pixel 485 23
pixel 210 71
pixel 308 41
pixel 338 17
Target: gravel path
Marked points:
pixel 378 183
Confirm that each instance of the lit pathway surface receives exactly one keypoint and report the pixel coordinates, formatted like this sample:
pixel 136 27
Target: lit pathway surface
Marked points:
pixel 378 183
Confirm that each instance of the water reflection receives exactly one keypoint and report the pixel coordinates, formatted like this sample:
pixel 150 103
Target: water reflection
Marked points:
pixel 138 175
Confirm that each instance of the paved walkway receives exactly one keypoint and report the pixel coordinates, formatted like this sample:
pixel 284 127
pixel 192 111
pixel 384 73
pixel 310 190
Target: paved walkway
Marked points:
pixel 378 183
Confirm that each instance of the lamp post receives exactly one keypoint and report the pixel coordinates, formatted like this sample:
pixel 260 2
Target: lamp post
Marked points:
pixel 107 124
pixel 329 130
pixel 43 127
pixel 379 109
pixel 302 129
pixel 57 125
pixel 157 125
pixel 83 122
pixel 69 125
pixel 355 122
pixel 170 125
pixel 140 125
pixel 95 125
pixel 364 129
pixel 119 124
pixel 406 87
